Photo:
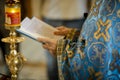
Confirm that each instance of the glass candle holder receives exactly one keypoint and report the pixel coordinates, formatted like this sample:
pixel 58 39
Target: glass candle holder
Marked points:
pixel 12 14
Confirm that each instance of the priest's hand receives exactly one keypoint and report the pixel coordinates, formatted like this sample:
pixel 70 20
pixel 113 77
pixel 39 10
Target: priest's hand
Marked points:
pixel 49 44
pixel 62 30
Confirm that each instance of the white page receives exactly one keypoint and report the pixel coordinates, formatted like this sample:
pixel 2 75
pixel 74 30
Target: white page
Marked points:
pixel 35 28
pixel 25 23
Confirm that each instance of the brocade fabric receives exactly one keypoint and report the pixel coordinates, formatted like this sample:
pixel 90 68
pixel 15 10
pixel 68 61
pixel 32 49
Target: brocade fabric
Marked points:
pixel 96 54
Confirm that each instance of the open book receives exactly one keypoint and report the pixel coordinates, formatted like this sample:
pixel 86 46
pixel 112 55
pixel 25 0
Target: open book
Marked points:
pixel 35 28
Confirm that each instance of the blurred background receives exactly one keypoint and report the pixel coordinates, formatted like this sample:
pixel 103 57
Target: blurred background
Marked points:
pixel 35 68
pixel 36 56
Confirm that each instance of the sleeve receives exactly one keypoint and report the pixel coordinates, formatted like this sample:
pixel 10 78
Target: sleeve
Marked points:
pixel 73 35
pixel 64 47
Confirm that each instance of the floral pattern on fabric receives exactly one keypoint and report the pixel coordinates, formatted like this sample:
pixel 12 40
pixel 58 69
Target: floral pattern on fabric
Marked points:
pixel 98 56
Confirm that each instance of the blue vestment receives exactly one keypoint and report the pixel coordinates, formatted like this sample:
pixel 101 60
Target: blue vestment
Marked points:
pixel 96 54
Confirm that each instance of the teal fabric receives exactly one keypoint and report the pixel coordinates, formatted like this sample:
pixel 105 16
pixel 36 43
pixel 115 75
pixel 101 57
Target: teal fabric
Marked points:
pixel 96 54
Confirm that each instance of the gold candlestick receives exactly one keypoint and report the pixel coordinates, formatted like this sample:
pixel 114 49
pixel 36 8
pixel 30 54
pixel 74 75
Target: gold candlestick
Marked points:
pixel 14 59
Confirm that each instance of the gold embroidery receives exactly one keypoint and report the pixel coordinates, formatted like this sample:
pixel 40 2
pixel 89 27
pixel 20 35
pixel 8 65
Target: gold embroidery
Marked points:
pixel 95 8
pixel 76 67
pixel 105 33
pixel 82 55
pixel 93 73
pixel 70 52
pixel 110 9
pixel 71 34
pixel 118 13
pixel 59 51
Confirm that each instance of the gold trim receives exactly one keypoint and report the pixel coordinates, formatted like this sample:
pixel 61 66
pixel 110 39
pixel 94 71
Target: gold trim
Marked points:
pixel 99 34
pixel 95 8
pixel 70 52
pixel 59 50
pixel 71 34
pixel 118 13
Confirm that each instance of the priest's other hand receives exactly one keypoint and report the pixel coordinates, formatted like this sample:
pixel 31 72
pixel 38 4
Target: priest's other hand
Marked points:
pixel 49 44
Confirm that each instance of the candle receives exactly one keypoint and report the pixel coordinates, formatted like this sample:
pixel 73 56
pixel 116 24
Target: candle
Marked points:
pixel 12 15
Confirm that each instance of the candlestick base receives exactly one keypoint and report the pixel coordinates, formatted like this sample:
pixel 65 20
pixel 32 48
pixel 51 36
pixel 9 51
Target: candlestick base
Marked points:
pixel 13 40
pixel 14 59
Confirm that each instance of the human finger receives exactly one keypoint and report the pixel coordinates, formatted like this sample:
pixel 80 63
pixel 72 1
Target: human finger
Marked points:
pixel 46 46
pixel 44 40
pixel 62 33
pixel 50 49
pixel 60 27
pixel 52 53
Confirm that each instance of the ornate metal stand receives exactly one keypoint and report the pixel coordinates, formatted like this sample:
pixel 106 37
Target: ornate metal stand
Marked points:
pixel 14 59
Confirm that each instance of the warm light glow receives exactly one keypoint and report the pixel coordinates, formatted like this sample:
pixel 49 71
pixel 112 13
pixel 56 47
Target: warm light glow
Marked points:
pixel 12 17
pixel 12 10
